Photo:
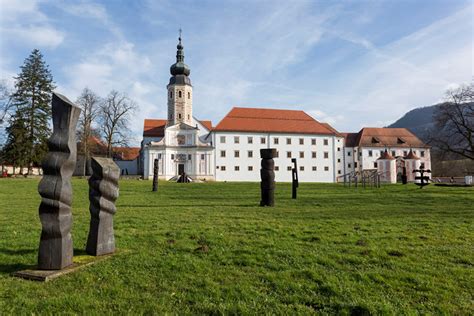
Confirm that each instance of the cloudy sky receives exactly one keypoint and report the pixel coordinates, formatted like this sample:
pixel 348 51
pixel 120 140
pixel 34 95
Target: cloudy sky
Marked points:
pixel 349 63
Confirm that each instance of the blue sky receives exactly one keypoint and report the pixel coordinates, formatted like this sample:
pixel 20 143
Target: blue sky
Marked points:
pixel 349 63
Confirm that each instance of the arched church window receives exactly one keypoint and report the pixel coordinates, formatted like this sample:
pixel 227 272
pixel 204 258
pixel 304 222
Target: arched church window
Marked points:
pixel 171 94
pixel 189 95
pixel 188 116
pixel 179 115
pixel 179 94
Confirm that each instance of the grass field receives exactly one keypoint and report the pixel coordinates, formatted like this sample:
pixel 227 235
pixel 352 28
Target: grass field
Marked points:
pixel 210 249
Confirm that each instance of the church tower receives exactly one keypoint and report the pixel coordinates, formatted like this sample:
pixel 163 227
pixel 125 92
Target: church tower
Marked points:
pixel 180 91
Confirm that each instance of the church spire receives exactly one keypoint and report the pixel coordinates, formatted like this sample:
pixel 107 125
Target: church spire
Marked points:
pixel 180 90
pixel 180 53
pixel 180 68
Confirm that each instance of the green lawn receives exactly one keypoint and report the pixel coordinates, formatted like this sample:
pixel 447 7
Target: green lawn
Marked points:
pixel 210 249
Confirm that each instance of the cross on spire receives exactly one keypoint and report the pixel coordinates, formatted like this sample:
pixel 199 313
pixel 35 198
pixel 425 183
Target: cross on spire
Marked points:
pixel 180 31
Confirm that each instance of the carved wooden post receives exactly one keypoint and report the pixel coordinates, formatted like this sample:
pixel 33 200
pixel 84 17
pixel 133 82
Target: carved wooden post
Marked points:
pixel 155 175
pixel 55 249
pixel 103 191
pixel 267 174
pixel 294 178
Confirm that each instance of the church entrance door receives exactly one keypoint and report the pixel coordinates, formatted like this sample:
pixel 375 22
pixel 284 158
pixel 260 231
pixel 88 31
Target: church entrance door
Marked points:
pixel 180 169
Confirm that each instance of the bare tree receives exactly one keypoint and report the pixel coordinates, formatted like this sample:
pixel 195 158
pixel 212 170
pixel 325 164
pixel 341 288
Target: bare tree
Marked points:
pixel 6 107
pixel 454 123
pixel 89 102
pixel 6 103
pixel 114 118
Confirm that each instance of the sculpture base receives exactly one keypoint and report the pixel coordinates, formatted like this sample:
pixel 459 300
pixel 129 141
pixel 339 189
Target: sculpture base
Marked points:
pixel 48 275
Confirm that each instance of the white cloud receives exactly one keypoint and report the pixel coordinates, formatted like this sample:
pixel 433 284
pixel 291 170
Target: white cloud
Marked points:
pixel 410 72
pixel 91 10
pixel 115 66
pixel 22 22
pixel 36 36
pixel 325 118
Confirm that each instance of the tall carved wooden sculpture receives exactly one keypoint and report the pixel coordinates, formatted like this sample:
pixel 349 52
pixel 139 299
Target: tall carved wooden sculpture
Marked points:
pixel 103 191
pixel 267 174
pixel 155 175
pixel 55 250
pixel 294 178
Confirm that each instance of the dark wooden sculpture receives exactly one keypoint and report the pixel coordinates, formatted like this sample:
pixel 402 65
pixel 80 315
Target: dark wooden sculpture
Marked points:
pixel 56 249
pixel 267 174
pixel 294 178
pixel 424 180
pixel 183 178
pixel 103 191
pixel 155 175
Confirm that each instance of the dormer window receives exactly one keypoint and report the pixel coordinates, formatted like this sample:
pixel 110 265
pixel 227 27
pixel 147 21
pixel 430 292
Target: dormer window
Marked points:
pixel 400 140
pixel 375 140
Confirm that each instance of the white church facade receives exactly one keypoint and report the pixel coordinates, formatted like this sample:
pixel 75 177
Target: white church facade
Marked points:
pixel 230 151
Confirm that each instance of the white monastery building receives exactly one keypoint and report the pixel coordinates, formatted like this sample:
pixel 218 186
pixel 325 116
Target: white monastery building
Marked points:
pixel 230 151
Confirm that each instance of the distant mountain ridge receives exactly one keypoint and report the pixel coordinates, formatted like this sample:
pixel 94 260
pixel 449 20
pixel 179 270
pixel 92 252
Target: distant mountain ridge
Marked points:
pixel 419 121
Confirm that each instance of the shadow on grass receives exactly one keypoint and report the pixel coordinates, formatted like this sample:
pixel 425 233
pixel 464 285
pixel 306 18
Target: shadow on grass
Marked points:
pixel 9 268
pixel 80 252
pixel 18 252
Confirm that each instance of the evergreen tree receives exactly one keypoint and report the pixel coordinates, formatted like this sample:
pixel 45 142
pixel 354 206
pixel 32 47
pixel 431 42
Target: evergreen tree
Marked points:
pixel 32 99
pixel 14 152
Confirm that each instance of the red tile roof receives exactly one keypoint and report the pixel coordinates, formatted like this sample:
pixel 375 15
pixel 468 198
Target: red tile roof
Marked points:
pixel 154 128
pixel 383 137
pixel 207 124
pixel 126 153
pixel 271 120
pixel 411 155
pixel 351 139
pixel 386 156
pixel 329 127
